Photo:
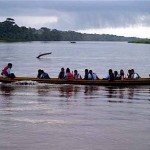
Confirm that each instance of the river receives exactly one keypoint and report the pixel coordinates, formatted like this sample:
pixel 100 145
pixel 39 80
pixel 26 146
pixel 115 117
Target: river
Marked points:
pixel 74 117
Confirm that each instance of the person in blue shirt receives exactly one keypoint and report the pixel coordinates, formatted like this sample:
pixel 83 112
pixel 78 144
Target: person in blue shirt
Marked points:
pixel 110 76
pixel 42 74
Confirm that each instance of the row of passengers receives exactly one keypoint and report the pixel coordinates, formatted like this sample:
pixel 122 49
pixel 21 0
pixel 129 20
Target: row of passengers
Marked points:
pixel 68 74
pixel 132 74
pixel 6 72
pixel 62 74
pixel 89 75
pixel 115 76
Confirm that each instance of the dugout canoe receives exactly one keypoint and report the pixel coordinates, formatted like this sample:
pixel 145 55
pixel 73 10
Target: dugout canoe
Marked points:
pixel 141 81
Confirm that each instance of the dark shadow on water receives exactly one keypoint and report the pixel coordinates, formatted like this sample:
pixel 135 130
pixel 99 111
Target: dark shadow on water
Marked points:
pixel 119 94
pixel 125 94
pixel 6 95
pixel 69 91
pixel 113 94
pixel 91 91
pixel 6 90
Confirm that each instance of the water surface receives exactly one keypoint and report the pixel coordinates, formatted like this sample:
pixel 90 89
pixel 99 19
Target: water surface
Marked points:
pixel 63 117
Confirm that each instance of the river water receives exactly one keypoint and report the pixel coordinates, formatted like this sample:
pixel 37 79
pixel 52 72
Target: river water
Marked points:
pixel 74 117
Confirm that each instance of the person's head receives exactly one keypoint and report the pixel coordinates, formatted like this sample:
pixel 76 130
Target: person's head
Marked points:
pixel 42 71
pixel 90 71
pixel 115 73
pixel 129 71
pixel 121 72
pixel 67 70
pixel 75 71
pixel 62 69
pixel 10 65
pixel 39 71
pixel 132 71
pixel 110 71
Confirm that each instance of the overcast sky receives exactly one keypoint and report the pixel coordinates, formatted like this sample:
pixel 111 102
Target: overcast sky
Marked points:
pixel 122 17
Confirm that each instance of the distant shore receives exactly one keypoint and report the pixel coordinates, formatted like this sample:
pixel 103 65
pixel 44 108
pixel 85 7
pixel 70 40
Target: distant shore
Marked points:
pixel 140 42
pixel 12 40
pixel 136 41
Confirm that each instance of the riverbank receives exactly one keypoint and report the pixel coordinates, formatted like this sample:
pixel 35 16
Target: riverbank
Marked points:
pixel 141 41
pixel 12 40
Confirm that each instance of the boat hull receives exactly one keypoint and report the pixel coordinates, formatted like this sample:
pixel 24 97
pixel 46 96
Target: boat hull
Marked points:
pixel 141 81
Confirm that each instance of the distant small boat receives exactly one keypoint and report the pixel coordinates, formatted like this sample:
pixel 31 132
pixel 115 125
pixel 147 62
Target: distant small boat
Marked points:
pixel 72 41
pixel 43 54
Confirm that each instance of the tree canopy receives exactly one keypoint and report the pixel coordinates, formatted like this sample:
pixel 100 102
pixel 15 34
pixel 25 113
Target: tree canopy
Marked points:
pixel 10 31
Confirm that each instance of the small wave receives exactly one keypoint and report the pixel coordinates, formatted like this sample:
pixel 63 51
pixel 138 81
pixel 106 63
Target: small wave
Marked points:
pixel 37 121
pixel 25 83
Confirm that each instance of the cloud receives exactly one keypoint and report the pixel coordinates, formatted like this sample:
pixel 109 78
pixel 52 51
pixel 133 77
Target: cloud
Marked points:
pixel 102 14
pixel 78 15
pixel 137 31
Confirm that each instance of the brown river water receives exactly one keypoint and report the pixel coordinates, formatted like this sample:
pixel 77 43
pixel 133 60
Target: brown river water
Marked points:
pixel 37 116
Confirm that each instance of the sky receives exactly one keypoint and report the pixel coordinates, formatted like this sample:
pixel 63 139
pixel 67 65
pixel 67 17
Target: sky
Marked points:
pixel 130 18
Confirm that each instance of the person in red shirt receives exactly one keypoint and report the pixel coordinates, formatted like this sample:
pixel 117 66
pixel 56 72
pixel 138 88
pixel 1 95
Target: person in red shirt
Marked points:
pixel 6 72
pixel 69 75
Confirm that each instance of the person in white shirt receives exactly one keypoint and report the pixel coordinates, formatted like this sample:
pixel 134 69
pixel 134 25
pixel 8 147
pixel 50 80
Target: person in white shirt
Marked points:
pixel 134 75
pixel 92 75
pixel 77 75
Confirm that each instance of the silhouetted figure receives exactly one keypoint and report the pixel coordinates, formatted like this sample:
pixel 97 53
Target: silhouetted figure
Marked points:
pixel 86 74
pixel 110 76
pixel 62 74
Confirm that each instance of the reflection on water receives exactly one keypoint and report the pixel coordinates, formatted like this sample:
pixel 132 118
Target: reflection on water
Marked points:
pixel 45 92
pixel 71 91
pixel 81 117
pixel 90 90
pixel 61 117
pixel 6 90
pixel 67 91
pixel 5 95
pixel 121 92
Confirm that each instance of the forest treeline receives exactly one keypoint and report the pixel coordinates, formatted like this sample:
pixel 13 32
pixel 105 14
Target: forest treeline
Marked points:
pixel 10 31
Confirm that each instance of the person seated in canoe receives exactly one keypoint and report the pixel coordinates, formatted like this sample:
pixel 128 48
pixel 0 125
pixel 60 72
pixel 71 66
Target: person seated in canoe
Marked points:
pixel 69 75
pixel 110 76
pixel 39 73
pixel 62 74
pixel 134 75
pixel 129 74
pixel 6 72
pixel 42 74
pixel 77 75
pixel 92 75
pixel 86 74
pixel 122 74
pixel 116 76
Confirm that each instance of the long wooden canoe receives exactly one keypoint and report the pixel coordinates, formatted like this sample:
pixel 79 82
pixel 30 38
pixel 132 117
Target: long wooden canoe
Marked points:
pixel 141 81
